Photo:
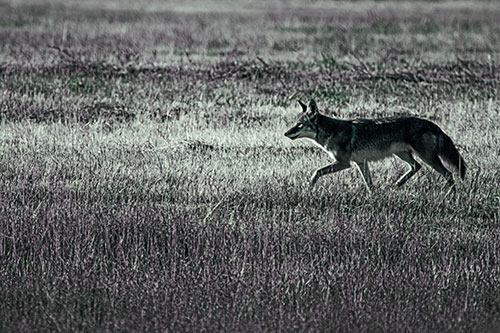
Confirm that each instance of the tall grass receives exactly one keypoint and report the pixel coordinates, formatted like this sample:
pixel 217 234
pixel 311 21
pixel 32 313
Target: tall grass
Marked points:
pixel 146 183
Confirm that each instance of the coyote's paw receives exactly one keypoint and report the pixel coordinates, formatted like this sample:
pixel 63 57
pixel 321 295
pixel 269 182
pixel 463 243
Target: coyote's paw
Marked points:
pixel 314 179
pixel 398 183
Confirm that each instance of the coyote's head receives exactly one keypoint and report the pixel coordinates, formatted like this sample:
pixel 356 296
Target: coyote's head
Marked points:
pixel 306 126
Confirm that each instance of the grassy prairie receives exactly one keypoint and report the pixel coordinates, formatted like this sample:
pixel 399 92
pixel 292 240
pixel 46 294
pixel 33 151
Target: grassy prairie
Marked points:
pixel 146 185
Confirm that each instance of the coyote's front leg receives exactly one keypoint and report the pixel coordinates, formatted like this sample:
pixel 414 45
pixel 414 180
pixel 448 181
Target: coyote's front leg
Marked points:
pixel 335 167
pixel 365 173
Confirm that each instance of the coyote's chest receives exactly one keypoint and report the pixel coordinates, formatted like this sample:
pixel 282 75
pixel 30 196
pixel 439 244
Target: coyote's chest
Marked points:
pixel 331 152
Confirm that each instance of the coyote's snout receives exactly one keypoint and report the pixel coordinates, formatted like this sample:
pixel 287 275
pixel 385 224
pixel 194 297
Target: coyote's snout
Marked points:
pixel 364 140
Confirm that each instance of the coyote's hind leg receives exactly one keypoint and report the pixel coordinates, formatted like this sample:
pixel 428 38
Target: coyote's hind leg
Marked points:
pixel 414 167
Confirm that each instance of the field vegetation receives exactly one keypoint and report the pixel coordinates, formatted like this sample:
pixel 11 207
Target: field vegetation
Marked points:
pixel 146 184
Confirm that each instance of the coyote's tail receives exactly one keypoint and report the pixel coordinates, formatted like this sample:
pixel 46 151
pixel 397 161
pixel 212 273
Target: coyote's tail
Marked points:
pixel 448 153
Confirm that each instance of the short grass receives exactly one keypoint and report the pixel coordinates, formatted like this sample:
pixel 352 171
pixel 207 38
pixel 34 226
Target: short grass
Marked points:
pixel 146 185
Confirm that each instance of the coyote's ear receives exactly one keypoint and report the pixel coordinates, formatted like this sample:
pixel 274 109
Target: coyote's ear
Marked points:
pixel 313 107
pixel 304 107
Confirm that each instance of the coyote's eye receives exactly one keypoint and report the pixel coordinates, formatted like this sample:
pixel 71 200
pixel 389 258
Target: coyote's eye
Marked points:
pixel 300 125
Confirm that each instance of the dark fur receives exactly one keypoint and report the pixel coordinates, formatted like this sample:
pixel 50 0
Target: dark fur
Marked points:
pixel 363 140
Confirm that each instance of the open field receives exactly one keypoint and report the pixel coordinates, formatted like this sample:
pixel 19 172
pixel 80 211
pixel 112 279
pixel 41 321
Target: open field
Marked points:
pixel 146 184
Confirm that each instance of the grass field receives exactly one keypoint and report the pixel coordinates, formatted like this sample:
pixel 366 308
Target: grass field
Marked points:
pixel 146 184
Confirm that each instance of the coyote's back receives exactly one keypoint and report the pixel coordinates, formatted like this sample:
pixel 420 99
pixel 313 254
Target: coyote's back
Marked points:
pixel 364 140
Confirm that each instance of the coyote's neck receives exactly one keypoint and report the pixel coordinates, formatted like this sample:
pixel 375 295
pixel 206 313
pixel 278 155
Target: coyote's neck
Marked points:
pixel 327 126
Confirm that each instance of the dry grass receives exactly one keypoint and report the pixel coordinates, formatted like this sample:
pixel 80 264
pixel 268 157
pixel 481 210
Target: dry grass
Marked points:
pixel 146 183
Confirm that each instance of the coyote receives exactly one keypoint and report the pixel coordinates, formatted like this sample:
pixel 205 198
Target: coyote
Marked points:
pixel 364 140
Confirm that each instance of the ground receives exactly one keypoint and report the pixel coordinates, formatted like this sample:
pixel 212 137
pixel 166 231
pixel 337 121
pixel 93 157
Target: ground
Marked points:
pixel 146 183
